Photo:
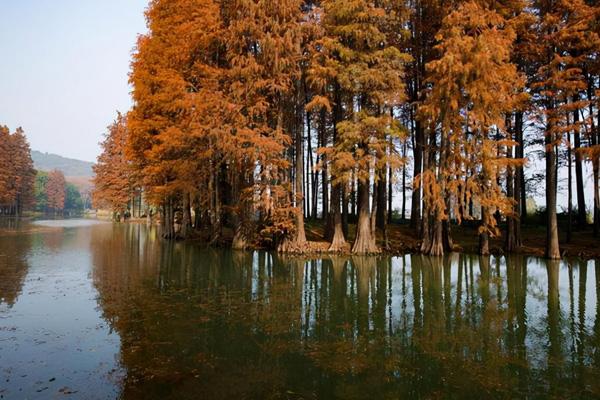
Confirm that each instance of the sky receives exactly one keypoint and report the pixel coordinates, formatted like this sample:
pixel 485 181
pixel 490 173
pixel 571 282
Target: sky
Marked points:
pixel 64 68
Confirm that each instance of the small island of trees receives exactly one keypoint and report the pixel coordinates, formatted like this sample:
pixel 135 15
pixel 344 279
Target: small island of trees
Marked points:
pixel 255 118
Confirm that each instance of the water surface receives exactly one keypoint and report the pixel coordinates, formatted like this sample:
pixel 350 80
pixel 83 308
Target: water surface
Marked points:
pixel 111 311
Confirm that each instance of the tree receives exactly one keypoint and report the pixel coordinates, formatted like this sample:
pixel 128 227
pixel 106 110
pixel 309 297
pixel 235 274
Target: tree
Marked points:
pixel 424 22
pixel 17 174
pixel 231 99
pixel 559 78
pixel 473 86
pixel 55 191
pixel 264 51
pixel 73 200
pixel 366 71
pixel 41 197
pixel 175 105
pixel 114 181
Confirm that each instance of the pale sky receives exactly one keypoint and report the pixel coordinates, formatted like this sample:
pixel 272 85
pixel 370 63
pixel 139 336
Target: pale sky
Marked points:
pixel 64 68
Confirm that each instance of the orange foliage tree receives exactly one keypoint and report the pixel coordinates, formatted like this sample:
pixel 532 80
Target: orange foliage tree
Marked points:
pixel 55 191
pixel 229 97
pixel 262 69
pixel 473 86
pixel 358 74
pixel 176 105
pixel 114 179
pixel 17 175
pixel 566 41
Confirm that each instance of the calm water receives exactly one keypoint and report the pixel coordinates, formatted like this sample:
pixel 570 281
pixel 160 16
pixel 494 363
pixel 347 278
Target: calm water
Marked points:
pixel 96 311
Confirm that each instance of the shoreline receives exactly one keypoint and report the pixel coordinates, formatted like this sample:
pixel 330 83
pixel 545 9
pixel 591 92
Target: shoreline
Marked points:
pixel 402 241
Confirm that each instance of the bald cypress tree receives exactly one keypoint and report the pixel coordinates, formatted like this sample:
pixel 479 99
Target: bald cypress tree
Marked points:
pixel 114 176
pixel 473 86
pixel 562 29
pixel 366 71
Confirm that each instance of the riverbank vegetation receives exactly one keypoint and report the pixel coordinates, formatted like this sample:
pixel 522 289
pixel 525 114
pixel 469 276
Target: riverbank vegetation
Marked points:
pixel 253 117
pixel 24 190
pixel 16 173
pixel 54 195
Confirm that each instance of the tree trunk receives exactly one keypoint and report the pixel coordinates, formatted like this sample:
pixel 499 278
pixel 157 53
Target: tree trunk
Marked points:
pixel 513 190
pixel 240 240
pixel 324 172
pixel 403 217
pixel 381 200
pixel 484 240
pixel 418 151
pixel 338 241
pixel 520 194
pixel 510 243
pixel 168 220
pixel 424 222
pixel 425 233
pixel 345 211
pixel 353 200
pixel 386 240
pixel 596 173
pixel 390 197
pixel 197 217
pixel 298 242
pixel 300 237
pixel 596 169
pixel 311 186
pixel 437 240
pixel 186 222
pixel 569 191
pixel 242 216
pixel 215 222
pixel 447 235
pixel 365 239
pixel 374 208
pixel 581 211
pixel 552 246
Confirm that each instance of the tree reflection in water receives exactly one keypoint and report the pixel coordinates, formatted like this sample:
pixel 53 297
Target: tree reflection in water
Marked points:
pixel 222 324
pixel 13 262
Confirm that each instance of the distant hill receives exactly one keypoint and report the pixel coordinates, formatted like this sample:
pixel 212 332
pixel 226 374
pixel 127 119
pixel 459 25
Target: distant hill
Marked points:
pixel 68 166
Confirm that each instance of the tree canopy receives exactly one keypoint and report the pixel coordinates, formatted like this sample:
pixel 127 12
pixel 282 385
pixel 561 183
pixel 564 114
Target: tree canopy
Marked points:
pixel 250 114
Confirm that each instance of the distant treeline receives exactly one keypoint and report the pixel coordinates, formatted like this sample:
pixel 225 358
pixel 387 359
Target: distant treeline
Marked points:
pixel 22 188
pixel 16 172
pixel 54 195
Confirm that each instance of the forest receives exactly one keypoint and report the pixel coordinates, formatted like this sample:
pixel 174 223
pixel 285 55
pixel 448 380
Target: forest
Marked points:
pixel 253 119
pixel 24 189
pixel 17 175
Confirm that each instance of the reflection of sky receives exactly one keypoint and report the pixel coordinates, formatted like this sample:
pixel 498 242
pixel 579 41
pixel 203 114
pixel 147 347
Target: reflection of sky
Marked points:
pixel 69 223
pixel 54 336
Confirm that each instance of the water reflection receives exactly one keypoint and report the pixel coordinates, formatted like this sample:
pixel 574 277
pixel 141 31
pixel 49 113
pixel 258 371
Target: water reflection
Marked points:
pixel 225 324
pixel 13 266
pixel 53 341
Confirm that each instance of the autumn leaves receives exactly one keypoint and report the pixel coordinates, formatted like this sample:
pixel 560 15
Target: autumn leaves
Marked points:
pixel 234 100
pixel 17 175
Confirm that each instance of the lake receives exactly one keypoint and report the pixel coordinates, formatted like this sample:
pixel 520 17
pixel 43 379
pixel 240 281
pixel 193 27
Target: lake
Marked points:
pixel 96 310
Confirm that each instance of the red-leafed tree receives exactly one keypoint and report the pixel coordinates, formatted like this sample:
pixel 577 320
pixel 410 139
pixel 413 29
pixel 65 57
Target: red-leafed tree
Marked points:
pixel 17 175
pixel 55 191
pixel 473 86
pixel 114 178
